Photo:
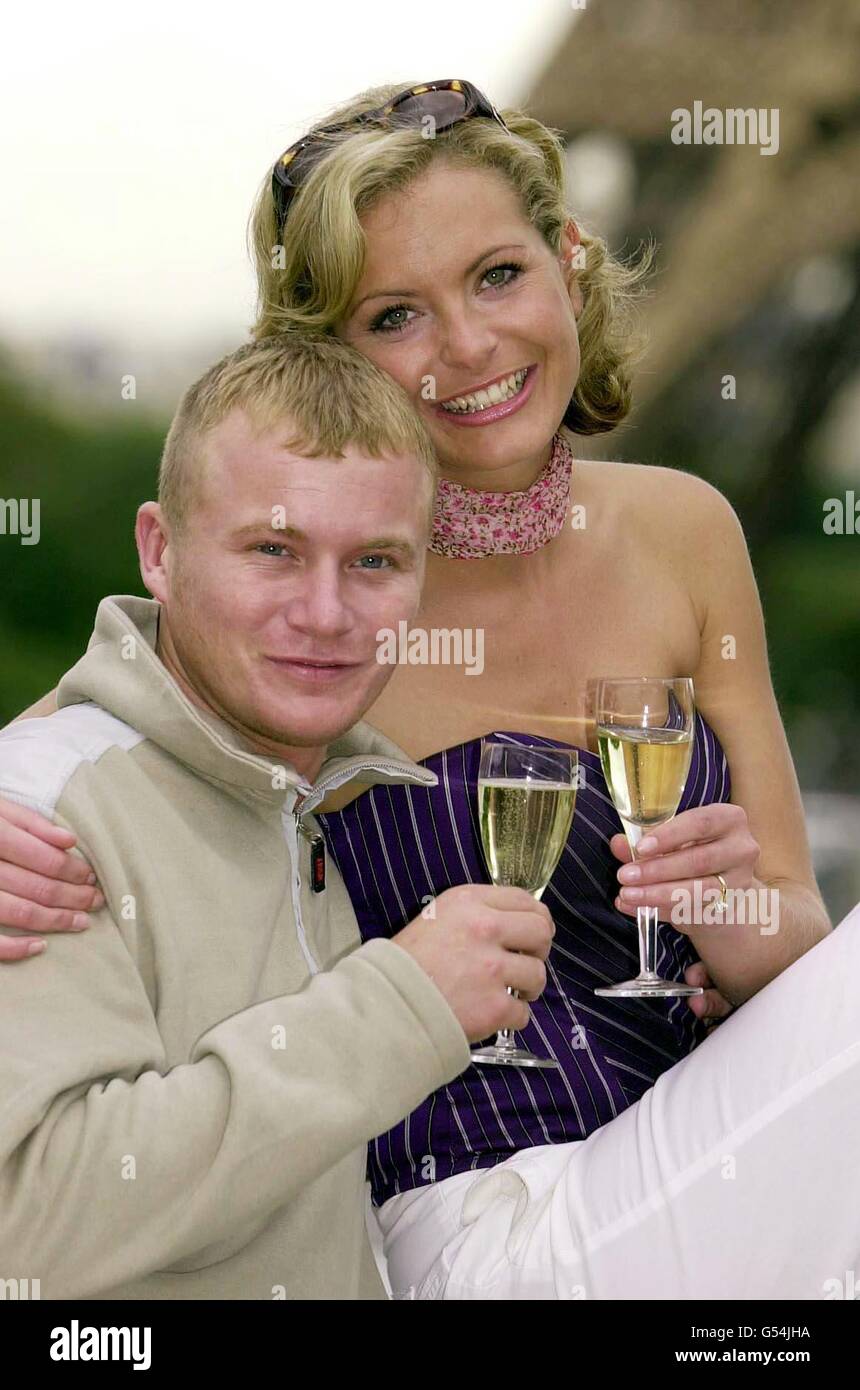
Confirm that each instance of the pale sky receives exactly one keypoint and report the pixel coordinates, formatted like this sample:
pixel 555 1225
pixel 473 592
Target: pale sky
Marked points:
pixel 133 139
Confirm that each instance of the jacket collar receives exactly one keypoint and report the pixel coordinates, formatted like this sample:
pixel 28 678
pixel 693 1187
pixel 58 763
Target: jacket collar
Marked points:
pixel 121 672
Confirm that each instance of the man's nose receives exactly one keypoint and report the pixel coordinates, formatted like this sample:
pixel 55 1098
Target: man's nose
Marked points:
pixel 319 606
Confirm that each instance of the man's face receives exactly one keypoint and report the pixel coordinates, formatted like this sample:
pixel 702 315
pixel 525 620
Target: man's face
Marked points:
pixel 283 575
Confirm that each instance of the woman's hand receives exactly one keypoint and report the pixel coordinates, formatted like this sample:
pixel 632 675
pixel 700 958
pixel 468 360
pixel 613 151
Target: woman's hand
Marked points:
pixel 710 1006
pixel 43 888
pixel 694 846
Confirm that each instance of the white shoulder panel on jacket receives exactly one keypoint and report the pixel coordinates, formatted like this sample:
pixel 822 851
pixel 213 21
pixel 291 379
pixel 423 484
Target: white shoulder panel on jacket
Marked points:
pixel 39 756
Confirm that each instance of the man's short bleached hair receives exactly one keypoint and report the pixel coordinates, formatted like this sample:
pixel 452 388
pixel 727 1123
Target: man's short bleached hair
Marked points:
pixel 328 396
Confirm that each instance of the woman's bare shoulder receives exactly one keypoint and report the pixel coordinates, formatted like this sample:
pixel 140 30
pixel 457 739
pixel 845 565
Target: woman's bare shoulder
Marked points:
pixel 667 496
pixel 669 513
pixel 622 473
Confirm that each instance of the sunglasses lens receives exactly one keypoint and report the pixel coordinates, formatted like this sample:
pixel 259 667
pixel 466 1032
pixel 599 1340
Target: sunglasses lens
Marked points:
pixel 302 163
pixel 444 107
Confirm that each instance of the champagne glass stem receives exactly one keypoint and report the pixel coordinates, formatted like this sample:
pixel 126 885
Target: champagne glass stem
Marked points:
pixel 647 927
pixel 505 1036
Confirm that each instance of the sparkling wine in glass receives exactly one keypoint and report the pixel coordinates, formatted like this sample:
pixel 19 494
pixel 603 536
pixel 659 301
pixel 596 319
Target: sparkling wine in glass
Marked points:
pixel 645 736
pixel 526 800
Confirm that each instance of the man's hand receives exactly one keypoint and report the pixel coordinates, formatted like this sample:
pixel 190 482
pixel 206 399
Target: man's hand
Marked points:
pixel 469 943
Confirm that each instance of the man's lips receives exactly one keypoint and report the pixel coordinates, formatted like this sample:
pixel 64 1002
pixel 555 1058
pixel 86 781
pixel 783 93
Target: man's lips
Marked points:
pixel 312 670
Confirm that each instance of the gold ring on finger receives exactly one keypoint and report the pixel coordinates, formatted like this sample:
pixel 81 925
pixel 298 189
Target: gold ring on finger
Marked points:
pixel 724 894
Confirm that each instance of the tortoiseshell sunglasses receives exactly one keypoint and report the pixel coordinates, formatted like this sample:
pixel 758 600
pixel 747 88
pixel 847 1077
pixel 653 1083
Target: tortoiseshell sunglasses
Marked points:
pixel 446 103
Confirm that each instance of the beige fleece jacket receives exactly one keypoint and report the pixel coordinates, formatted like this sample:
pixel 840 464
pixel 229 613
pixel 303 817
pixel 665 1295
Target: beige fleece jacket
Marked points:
pixel 187 1088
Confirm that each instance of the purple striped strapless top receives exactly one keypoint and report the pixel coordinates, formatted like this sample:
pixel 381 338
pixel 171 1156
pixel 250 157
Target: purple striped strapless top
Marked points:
pixel 397 846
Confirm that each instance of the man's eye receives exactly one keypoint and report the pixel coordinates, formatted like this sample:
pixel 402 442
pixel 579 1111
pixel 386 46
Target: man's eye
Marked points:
pixel 374 562
pixel 271 548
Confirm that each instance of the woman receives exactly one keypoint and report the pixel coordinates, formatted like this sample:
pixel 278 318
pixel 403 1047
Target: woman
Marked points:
pixel 431 233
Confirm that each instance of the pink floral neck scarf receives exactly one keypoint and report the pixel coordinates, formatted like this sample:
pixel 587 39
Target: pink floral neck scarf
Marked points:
pixel 469 523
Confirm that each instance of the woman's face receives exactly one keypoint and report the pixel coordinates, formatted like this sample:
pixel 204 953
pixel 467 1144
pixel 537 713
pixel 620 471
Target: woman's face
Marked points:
pixel 460 293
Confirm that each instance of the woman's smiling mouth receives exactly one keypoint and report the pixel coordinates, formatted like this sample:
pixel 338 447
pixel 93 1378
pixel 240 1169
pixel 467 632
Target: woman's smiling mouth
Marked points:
pixel 494 401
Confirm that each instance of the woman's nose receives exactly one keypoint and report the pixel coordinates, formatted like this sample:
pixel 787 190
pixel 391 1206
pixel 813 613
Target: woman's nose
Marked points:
pixel 467 340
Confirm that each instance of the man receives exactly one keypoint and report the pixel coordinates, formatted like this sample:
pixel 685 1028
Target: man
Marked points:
pixel 187 1090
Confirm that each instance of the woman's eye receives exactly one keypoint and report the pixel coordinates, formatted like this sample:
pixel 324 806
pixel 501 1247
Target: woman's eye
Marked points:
pixel 398 316
pixel 390 320
pixel 499 275
pixel 271 548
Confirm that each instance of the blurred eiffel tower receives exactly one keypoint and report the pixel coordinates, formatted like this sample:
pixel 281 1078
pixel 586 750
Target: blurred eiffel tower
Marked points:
pixel 759 266
pixel 758 278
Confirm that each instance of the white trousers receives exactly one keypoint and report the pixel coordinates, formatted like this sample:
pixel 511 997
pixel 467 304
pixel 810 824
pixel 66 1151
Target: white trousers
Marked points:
pixel 737 1175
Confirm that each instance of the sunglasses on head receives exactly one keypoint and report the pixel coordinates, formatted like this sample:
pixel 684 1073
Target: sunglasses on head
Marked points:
pixel 444 103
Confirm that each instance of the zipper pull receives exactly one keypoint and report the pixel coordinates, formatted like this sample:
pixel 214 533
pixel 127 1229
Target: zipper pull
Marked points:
pixel 317 844
pixel 318 864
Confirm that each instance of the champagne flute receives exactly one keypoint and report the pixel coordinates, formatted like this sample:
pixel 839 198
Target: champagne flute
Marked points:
pixel 645 737
pixel 526 799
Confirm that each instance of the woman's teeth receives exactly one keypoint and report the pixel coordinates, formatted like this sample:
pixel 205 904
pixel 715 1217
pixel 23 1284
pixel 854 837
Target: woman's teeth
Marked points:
pixel 503 390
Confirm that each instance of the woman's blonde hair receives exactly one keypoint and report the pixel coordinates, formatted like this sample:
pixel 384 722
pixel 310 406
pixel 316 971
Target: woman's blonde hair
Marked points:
pixel 326 395
pixel 308 281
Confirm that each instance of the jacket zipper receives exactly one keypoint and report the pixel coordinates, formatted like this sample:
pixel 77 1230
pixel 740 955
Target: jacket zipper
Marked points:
pixel 291 825
pixel 338 778
pixel 292 822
